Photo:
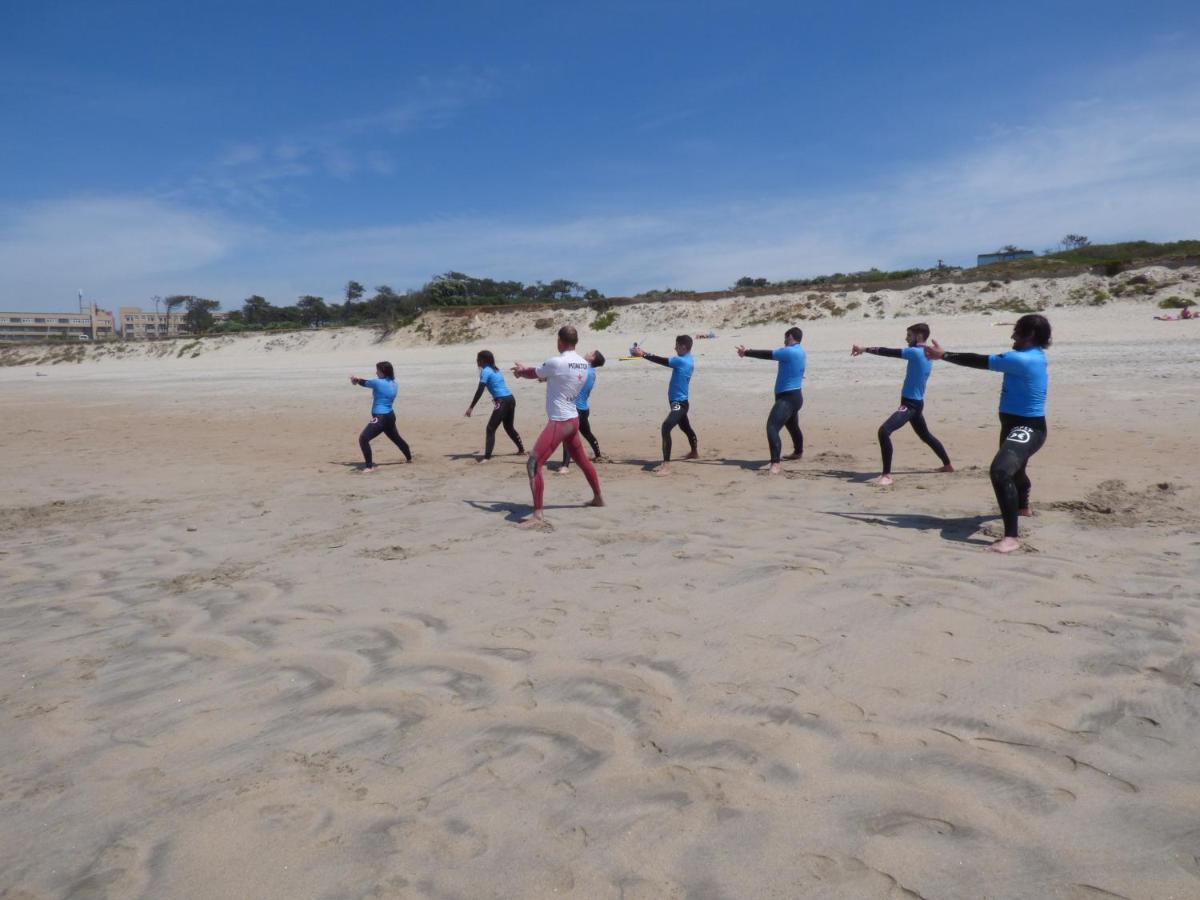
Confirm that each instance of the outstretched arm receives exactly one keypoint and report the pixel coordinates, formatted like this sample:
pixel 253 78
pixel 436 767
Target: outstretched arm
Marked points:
pixel 971 360
pixel 877 351
pixel 521 371
pixel 754 354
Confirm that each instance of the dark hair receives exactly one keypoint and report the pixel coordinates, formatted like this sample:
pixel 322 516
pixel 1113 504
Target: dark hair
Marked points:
pixel 922 329
pixel 597 359
pixel 568 335
pixel 685 339
pixel 794 332
pixel 1036 327
pixel 386 368
pixel 485 358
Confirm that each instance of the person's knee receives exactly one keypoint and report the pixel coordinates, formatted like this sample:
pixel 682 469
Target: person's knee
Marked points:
pixel 1004 468
pixel 531 465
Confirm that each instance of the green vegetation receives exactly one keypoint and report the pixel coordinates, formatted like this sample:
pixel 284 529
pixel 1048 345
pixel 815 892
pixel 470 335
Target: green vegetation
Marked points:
pixel 603 320
pixel 392 309
pixel 1175 302
pixel 870 276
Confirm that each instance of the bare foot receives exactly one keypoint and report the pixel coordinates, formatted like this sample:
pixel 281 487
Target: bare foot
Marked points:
pixel 883 481
pixel 773 469
pixel 369 470
pixel 1005 545
pixel 1025 511
pixel 946 468
pixel 563 470
pixel 799 455
pixel 659 471
pixel 695 454
pixel 481 460
pixel 534 521
pixel 595 501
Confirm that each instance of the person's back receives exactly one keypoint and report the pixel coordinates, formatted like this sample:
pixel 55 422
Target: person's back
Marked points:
pixel 565 375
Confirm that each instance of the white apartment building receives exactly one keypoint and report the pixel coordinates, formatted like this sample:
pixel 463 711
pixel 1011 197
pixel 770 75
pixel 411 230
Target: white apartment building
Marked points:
pixel 92 324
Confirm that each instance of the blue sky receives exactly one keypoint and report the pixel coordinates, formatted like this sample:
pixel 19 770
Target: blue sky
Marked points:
pixel 226 149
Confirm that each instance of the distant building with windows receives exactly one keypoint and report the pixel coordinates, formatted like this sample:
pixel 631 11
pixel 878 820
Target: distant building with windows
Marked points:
pixel 986 259
pixel 89 323
pixel 139 325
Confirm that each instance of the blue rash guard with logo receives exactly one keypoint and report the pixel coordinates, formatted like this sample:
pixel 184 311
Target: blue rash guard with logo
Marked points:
pixel 1025 380
pixel 681 376
pixel 494 382
pixel 383 394
pixel 581 400
pixel 790 376
pixel 917 374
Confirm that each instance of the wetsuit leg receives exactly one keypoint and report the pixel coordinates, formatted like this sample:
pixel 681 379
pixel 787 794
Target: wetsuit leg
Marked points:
pixel 678 413
pixel 895 421
pixel 1020 438
pixel 785 413
pixel 552 435
pixel 923 432
pixel 510 414
pixel 793 429
pixel 585 431
pixel 494 421
pixel 685 425
pixel 574 446
pixel 389 423
pixel 374 428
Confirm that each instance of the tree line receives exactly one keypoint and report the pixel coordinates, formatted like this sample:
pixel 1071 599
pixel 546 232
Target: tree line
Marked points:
pixel 386 307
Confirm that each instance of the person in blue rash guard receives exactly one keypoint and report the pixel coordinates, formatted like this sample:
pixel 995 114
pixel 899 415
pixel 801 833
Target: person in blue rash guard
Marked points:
pixel 789 397
pixel 912 398
pixel 383 419
pixel 681 366
pixel 504 404
pixel 1022 415
pixel 595 360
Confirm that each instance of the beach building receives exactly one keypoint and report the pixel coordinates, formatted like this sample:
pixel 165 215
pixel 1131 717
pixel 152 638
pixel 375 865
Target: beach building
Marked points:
pixel 1003 255
pixel 140 325
pixel 89 323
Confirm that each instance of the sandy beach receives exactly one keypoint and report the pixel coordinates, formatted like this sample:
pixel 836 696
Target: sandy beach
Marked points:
pixel 235 668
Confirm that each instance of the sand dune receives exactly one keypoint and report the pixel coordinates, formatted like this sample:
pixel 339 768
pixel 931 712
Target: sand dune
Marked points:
pixel 235 669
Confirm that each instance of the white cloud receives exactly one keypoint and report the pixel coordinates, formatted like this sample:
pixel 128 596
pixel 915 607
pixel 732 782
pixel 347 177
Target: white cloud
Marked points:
pixel 102 245
pixel 1110 168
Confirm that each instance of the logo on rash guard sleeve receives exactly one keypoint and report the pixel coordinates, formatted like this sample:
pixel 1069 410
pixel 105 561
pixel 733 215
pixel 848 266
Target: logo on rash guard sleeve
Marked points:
pixel 1022 434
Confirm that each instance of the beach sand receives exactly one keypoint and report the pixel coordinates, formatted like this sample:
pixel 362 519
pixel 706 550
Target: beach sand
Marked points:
pixel 234 668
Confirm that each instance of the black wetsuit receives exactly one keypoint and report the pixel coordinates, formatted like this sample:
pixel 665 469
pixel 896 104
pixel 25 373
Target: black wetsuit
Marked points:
pixel 784 414
pixel 504 413
pixel 384 423
pixel 677 416
pixel 1020 438
pixel 911 412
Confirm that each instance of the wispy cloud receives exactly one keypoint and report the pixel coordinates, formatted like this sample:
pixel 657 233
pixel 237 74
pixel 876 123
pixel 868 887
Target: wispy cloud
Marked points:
pixel 249 173
pixel 1126 165
pixel 105 246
